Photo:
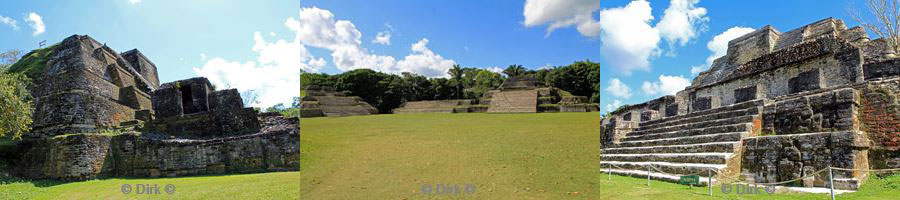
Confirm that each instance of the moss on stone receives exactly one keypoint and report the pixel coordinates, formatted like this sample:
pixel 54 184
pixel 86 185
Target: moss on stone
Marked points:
pixel 33 63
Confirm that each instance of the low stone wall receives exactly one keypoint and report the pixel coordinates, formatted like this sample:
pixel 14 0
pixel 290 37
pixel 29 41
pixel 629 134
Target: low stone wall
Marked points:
pixel 89 156
pixel 65 157
pixel 770 159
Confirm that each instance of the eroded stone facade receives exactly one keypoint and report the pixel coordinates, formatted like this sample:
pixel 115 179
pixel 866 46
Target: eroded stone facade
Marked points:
pixel 103 114
pixel 818 96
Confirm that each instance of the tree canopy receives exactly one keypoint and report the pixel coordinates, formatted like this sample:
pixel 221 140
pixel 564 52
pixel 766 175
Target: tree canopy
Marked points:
pixel 389 91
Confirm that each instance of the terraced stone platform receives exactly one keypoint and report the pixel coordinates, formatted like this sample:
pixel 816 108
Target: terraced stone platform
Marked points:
pixel 514 101
pixel 442 106
pixel 686 145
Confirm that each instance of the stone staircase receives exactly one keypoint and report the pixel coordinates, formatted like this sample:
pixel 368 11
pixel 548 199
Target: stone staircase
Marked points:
pixel 686 144
pixel 427 107
pixel 334 106
pixel 514 101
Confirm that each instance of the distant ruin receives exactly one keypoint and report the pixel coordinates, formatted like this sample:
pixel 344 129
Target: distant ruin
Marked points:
pixel 524 94
pixel 518 94
pixel 778 107
pixel 103 114
pixel 323 101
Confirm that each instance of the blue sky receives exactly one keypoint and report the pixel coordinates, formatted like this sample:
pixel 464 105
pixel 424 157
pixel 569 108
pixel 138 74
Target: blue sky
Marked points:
pixel 258 46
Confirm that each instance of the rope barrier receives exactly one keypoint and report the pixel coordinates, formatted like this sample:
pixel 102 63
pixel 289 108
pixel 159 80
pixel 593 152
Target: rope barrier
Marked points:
pixel 870 170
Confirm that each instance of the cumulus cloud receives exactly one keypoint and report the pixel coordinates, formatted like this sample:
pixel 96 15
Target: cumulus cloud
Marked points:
pixel 318 28
pixel 682 21
pixel 425 62
pixel 618 89
pixel 719 46
pixel 667 85
pixel 383 38
pixel 9 22
pixel 273 75
pixel 612 106
pixel 36 22
pixel 628 39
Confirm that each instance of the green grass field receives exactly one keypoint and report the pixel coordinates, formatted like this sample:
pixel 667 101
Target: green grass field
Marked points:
pixel 504 156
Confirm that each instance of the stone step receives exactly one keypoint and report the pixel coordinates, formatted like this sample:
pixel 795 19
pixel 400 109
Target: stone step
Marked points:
pixel 703 118
pixel 719 137
pixel 721 147
pixel 657 175
pixel 692 132
pixel 422 110
pixel 737 106
pixel 703 124
pixel 666 167
pixel 705 158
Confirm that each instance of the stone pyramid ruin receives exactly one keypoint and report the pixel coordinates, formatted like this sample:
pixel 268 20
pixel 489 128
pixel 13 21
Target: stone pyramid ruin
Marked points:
pixel 524 94
pixel 778 107
pixel 99 114
pixel 325 102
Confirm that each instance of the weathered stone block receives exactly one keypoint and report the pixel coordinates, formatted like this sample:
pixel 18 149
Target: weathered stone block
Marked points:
pixel 806 81
pixel 705 103
pixel 745 94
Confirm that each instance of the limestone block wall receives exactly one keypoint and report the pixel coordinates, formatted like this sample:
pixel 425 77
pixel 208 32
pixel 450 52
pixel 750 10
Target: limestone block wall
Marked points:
pixel 89 156
pixel 826 62
pixel 828 110
pixel 777 158
pixel 74 157
pixel 880 118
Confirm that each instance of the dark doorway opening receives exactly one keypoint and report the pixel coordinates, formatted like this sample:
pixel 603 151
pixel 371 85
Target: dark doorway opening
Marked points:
pixel 187 100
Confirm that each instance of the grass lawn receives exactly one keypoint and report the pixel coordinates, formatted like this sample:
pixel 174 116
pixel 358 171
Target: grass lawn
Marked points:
pixel 503 156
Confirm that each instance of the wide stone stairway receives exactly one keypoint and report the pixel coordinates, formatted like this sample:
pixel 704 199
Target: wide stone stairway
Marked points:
pixel 688 144
pixel 427 107
pixel 333 106
pixel 514 101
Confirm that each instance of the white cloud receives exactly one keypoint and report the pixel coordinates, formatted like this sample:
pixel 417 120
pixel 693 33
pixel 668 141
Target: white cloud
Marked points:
pixel 9 22
pixel 35 21
pixel 273 75
pixel 318 28
pixel 495 69
pixel 383 38
pixel 667 85
pixel 134 1
pixel 425 62
pixel 203 56
pixel 275 72
pixel 618 89
pixel 628 39
pixel 682 21
pixel 615 104
pixel 719 46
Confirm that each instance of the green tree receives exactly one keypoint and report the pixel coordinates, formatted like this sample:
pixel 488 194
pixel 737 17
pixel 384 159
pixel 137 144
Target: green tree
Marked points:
pixel 15 100
pixel 514 70
pixel 456 74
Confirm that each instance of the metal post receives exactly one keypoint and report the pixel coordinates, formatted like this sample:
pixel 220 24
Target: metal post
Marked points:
pixel 831 180
pixel 709 182
pixel 648 175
